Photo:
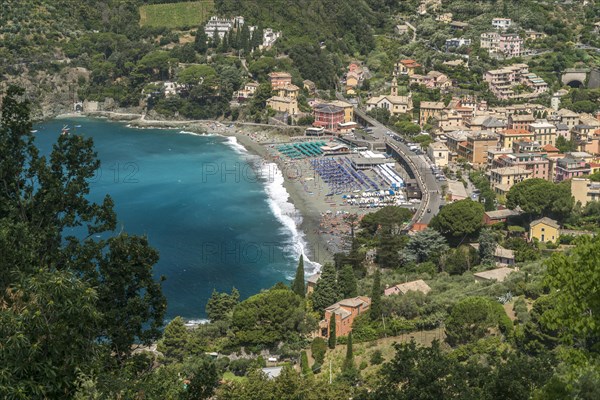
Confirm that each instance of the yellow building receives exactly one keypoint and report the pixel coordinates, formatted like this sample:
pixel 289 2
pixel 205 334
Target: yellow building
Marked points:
pixel 502 179
pixel 430 109
pixel 289 90
pixel 584 190
pixel 507 137
pixel 347 107
pixel 283 104
pixel 545 230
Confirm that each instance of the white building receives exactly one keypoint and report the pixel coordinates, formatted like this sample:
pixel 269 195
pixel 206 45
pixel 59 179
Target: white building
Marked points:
pixel 222 25
pixel 270 37
pixel 501 23
pixel 438 153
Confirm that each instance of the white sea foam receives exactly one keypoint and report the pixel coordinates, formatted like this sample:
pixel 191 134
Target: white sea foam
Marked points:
pixel 287 214
pixel 196 133
pixel 233 143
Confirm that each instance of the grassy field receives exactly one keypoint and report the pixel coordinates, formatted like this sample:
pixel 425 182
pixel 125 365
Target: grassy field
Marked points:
pixel 176 15
pixel 364 351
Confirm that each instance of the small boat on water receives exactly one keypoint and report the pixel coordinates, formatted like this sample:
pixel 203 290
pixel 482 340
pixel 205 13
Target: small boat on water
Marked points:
pixel 77 126
pixel 34 131
pixel 65 130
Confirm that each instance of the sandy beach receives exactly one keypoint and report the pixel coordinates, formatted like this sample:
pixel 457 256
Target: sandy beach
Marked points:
pixel 322 217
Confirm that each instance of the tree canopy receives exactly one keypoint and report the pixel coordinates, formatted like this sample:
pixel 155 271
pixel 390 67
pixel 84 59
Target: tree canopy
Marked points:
pixel 459 220
pixel 539 197
pixel 66 300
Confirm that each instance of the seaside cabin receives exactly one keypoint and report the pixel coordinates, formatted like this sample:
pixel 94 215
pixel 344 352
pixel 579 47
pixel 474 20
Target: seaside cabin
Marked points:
pixel 365 163
pixel 332 149
pixel 314 131
pixel 346 127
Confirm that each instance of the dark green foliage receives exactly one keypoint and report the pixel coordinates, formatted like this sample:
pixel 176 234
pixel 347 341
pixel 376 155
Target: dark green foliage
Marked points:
pixel 298 283
pixel 487 247
pixel 48 327
pixel 487 196
pixel 524 251
pixel 540 198
pixel 428 373
pixel 102 295
pixel 269 317
pixel 174 341
pixel 459 220
pixel 376 357
pixel 128 292
pixel 349 373
pixel 347 282
pixel 576 310
pixel 332 340
pixel 384 227
pixel 564 145
pixel 314 64
pixel 426 245
pixel 204 381
pixel 472 318
pixel 536 336
pixel 460 259
pixel 376 293
pixel 304 364
pixel 220 305
pixel 318 348
pixel 326 290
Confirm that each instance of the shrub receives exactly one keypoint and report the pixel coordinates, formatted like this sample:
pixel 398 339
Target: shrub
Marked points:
pixel 376 357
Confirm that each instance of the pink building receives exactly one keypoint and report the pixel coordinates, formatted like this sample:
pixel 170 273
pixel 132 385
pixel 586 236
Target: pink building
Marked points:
pixel 510 44
pixel 328 116
pixel 538 164
pixel 569 167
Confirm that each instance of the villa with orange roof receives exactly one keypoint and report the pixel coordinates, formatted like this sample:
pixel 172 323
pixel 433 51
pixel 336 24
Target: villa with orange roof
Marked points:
pixel 344 312
pixel 406 67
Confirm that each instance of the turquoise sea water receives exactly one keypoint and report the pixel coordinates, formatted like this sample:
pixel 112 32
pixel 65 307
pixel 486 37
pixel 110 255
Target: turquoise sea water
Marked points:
pixel 218 216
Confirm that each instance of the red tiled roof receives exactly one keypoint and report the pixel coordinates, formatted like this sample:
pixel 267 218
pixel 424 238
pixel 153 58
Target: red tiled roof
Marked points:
pixel 551 148
pixel 516 132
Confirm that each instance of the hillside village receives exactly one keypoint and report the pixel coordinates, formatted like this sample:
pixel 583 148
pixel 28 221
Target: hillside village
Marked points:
pixel 448 152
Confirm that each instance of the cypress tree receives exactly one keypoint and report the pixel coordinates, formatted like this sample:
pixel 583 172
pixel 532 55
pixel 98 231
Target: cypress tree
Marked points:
pixel 298 283
pixel 349 373
pixel 347 282
pixel 326 291
pixel 306 371
pixel 349 353
pixel 332 336
pixel 376 297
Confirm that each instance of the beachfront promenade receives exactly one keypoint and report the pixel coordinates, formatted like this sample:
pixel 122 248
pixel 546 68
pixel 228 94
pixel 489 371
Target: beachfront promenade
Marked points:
pixel 430 187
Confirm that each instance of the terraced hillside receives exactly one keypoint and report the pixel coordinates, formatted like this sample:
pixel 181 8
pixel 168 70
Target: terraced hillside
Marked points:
pixel 176 15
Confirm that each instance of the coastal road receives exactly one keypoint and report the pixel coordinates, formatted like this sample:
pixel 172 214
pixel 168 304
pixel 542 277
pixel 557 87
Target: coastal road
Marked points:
pixel 430 187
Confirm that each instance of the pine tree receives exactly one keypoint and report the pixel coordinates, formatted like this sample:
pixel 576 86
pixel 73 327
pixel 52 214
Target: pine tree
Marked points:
pixel 298 284
pixel 332 334
pixel 376 296
pixel 326 291
pixel 347 282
